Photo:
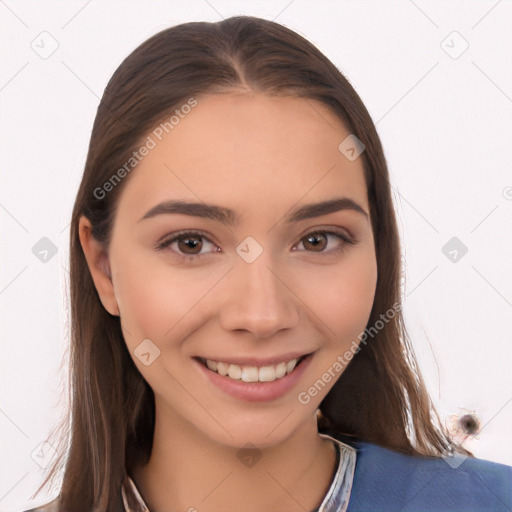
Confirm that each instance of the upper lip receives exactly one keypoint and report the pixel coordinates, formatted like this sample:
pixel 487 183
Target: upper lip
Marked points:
pixel 256 361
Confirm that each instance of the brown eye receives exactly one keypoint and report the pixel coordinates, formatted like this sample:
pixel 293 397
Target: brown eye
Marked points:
pixel 315 241
pixel 188 245
pixel 318 241
pixel 193 243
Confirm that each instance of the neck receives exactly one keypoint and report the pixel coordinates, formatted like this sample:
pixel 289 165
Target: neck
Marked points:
pixel 189 471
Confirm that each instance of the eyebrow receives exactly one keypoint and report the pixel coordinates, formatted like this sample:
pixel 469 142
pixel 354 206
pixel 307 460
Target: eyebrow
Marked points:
pixel 230 217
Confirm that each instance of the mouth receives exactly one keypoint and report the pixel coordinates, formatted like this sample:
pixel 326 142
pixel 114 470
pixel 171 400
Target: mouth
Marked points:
pixel 252 373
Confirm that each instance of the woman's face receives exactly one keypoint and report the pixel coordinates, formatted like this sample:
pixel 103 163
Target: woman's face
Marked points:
pixel 252 283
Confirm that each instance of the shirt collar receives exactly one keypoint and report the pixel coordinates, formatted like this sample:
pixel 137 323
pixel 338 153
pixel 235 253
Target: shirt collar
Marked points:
pixel 336 499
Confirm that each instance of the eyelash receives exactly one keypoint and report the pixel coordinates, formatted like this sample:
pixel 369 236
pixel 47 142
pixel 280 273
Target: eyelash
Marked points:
pixel 190 257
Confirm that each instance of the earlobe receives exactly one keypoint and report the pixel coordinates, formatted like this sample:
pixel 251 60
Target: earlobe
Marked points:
pixel 99 266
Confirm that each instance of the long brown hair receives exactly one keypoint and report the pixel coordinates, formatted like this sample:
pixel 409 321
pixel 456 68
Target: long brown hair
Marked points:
pixel 380 397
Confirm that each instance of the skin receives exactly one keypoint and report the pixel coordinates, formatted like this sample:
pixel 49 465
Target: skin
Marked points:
pixel 261 156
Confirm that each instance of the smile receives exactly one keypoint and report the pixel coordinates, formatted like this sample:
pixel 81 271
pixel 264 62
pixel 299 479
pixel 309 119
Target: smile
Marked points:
pixel 268 373
pixel 253 383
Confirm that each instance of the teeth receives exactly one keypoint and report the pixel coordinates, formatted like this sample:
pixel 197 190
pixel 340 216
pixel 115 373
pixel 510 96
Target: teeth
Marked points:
pixel 212 365
pixel 281 370
pixel 234 372
pixel 249 374
pixel 222 368
pixel 267 374
pixel 252 373
pixel 290 365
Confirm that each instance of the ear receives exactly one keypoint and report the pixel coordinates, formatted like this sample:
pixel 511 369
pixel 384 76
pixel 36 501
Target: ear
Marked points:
pixel 99 266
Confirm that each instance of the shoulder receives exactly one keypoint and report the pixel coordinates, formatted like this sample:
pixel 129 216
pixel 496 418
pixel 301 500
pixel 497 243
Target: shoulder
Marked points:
pixel 52 506
pixel 388 480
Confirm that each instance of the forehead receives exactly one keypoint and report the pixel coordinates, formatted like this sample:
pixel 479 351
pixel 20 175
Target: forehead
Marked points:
pixel 248 150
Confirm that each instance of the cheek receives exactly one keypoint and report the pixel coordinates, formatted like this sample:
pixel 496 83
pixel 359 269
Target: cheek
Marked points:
pixel 155 299
pixel 342 297
pixel 144 298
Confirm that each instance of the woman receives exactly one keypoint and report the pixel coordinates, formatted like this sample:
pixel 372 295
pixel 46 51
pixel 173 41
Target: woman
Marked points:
pixel 237 338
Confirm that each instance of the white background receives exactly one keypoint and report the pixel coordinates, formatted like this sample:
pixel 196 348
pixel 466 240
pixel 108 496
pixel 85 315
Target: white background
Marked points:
pixel 446 128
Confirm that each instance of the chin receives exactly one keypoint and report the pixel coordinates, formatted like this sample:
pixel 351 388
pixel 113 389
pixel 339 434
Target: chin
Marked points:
pixel 261 429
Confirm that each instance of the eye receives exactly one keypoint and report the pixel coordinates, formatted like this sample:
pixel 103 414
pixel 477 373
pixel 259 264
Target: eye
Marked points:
pixel 318 240
pixel 190 242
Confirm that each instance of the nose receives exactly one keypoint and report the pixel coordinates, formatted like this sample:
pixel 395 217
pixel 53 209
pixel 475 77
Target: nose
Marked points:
pixel 257 298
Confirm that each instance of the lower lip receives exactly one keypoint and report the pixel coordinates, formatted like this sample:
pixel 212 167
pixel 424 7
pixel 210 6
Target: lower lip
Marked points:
pixel 256 391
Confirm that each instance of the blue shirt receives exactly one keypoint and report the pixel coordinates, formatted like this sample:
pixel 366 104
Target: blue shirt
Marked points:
pixel 386 480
